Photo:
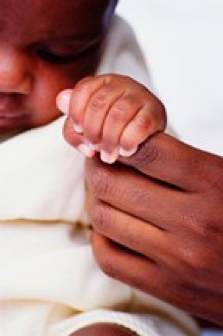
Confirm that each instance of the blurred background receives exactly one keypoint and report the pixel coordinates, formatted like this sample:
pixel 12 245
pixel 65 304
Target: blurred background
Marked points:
pixel 183 45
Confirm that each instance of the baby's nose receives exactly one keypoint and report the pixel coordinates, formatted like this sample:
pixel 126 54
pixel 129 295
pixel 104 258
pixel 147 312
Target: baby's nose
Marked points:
pixel 14 74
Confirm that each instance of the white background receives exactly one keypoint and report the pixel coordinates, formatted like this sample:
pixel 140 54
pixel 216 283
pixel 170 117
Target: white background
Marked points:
pixel 183 44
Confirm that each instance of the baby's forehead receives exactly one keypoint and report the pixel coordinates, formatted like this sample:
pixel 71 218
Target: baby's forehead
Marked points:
pixel 53 16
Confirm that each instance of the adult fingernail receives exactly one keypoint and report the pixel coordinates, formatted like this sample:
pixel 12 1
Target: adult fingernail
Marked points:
pixel 85 150
pixel 78 129
pixel 109 157
pixel 63 101
pixel 127 153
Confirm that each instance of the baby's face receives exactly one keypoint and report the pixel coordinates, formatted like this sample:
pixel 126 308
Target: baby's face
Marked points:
pixel 45 47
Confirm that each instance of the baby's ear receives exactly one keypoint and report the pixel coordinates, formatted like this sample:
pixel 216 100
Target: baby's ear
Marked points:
pixel 63 101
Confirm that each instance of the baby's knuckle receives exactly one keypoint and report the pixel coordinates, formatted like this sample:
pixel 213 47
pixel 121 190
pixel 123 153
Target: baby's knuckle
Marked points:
pixel 118 112
pixel 108 144
pixel 143 122
pixel 93 136
pixel 98 103
pixel 156 113
pixel 127 142
pixel 110 79
pixel 84 83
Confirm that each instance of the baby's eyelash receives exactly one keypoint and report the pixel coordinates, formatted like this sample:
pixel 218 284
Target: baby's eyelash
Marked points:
pixel 53 58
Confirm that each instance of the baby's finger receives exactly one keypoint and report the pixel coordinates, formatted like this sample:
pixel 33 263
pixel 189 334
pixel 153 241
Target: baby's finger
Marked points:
pixel 119 116
pixel 63 101
pixel 81 95
pixel 146 122
pixel 76 140
pixel 97 109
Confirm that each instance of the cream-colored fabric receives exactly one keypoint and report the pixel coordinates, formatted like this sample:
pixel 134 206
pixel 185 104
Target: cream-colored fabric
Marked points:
pixel 48 276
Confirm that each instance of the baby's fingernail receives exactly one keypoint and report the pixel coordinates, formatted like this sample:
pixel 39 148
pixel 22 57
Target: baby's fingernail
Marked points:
pixel 127 153
pixel 109 157
pixel 63 101
pixel 86 151
pixel 95 147
pixel 78 129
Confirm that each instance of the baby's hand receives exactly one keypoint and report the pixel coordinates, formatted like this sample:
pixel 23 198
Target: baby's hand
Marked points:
pixel 112 114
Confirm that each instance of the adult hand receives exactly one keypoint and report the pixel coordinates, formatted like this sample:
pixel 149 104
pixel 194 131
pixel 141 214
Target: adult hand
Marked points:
pixel 158 222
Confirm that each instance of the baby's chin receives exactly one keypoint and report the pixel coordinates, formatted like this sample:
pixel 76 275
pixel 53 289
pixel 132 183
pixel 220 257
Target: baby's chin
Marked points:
pixel 7 129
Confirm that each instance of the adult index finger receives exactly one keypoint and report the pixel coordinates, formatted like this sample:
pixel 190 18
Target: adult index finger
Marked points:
pixel 172 161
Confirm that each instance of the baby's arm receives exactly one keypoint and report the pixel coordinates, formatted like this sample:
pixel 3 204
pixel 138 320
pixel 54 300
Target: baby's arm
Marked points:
pixel 113 113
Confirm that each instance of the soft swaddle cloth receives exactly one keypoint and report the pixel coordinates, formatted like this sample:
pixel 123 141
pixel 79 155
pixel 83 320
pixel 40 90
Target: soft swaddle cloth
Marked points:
pixel 50 284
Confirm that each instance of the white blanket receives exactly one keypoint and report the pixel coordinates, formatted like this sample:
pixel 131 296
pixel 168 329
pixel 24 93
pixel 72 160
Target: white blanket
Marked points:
pixel 47 271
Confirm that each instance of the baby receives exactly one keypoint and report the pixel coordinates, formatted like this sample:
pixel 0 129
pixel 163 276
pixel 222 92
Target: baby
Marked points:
pixel 50 284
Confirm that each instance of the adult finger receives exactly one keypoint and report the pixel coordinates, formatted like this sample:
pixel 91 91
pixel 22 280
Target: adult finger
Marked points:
pixel 136 195
pixel 114 260
pixel 172 161
pixel 132 233
pixel 150 277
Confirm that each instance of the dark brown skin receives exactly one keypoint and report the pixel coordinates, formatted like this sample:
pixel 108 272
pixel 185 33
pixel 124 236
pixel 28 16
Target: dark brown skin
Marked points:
pixel 34 38
pixel 164 237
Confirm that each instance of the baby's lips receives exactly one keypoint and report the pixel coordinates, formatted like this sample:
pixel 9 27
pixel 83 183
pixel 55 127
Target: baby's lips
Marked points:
pixel 63 101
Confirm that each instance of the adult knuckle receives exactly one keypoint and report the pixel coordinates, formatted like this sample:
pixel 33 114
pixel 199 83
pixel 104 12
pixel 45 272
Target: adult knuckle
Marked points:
pixel 208 228
pixel 101 218
pixel 190 293
pixel 107 265
pixel 140 197
pixel 100 181
pixel 199 262
pixel 204 219
pixel 195 220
